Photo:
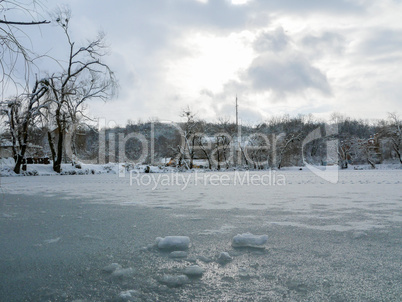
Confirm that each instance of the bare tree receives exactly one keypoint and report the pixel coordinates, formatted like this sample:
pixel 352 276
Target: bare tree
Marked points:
pixel 204 144
pixel 84 77
pixel 22 112
pixel 257 150
pixel 284 144
pixel 13 52
pixel 222 152
pixel 344 153
pixel 392 130
pixel 190 130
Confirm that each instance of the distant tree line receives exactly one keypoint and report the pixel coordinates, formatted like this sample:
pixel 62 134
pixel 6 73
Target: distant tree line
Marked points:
pixel 278 142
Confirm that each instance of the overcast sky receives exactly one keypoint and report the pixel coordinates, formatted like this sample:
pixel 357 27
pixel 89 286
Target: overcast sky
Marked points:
pixel 287 56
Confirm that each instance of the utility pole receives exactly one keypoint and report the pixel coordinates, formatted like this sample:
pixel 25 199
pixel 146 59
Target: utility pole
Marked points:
pixel 237 114
pixel 238 138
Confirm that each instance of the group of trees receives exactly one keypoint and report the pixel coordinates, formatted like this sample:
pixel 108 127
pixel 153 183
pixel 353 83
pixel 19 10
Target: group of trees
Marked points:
pixel 278 142
pixel 288 141
pixel 50 106
pixel 53 101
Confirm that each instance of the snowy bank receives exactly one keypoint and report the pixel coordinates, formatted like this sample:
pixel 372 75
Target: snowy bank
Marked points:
pixel 7 166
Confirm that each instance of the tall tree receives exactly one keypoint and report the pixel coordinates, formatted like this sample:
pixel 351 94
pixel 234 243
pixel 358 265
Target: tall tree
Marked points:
pixel 84 77
pixel 21 113
pixel 392 131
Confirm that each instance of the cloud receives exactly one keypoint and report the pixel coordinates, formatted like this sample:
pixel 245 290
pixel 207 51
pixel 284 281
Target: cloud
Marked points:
pixel 383 42
pixel 285 75
pixel 325 43
pixel 312 6
pixel 275 40
pixel 287 54
pixel 281 68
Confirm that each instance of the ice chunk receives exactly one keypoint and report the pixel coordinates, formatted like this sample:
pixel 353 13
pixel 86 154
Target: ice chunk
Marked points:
pixel 249 240
pixel 174 281
pixel 123 273
pixel 112 267
pixel 129 295
pixel 173 242
pixel 193 271
pixel 224 257
pixel 178 254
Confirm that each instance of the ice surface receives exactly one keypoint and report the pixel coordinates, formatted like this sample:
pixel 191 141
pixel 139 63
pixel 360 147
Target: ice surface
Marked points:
pixel 249 240
pixel 178 254
pixel 173 242
pixel 346 233
pixel 304 196
pixel 50 241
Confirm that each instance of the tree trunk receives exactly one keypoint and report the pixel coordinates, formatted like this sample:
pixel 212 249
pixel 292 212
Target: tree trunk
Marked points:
pixel 18 163
pixel 59 155
pixel 51 146
pixel 206 155
pixel 371 163
pixel 397 150
pixel 23 148
pixel 20 159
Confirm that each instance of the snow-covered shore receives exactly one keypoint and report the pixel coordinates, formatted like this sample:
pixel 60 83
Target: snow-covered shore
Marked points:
pixel 7 164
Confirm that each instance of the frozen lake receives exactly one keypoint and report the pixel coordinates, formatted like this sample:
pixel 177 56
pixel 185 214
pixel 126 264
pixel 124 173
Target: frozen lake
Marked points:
pixel 326 242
